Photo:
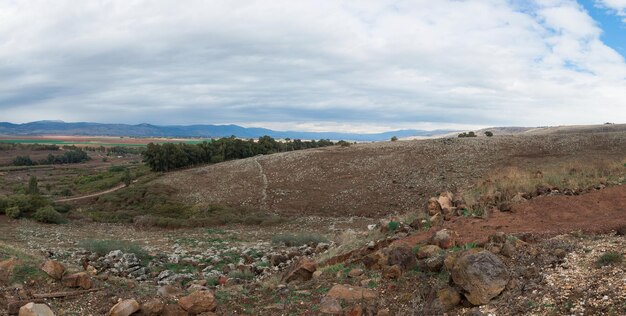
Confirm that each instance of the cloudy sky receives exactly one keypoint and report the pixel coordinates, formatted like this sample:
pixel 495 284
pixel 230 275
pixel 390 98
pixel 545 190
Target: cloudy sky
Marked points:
pixel 315 64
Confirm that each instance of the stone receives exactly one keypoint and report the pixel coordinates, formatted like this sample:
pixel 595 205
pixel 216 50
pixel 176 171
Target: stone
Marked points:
pixel 445 200
pixel 198 302
pixel 6 268
pixel 433 206
pixel 330 305
pixel 80 279
pixel 351 293
pixel 355 273
pixel 428 251
pixel 448 213
pixel 448 297
pixel 394 272
pixel 124 308
pixel 436 220
pixel 173 310
pixel 444 238
pixel 481 275
pixel 508 249
pixel 402 256
pixel 317 274
pixel 375 261
pixel 383 312
pixel 356 310
pixel 497 238
pixel 301 271
pixel 196 287
pixel 434 264
pixel 277 259
pixel 54 269
pixel 32 309
pixel 152 307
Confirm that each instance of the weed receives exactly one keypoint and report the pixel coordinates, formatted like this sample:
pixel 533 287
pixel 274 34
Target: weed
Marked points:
pixel 393 225
pixel 104 246
pixel 610 258
pixel 24 272
pixel 243 275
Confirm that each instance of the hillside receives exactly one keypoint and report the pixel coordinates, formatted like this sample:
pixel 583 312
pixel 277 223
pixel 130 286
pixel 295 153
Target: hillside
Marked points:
pixel 381 178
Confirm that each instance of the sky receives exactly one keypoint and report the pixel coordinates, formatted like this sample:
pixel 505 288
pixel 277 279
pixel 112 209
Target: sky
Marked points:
pixel 315 65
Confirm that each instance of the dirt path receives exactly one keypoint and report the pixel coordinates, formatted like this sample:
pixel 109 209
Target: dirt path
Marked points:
pixel 595 212
pixel 264 183
pixel 92 195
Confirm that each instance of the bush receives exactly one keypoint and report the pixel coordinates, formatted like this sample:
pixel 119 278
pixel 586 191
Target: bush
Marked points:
pixel 117 168
pixel 610 258
pixel 393 226
pixel 62 208
pixel 13 212
pixel 242 275
pixel 48 215
pixel 394 138
pixel 4 204
pixel 290 240
pixel 488 133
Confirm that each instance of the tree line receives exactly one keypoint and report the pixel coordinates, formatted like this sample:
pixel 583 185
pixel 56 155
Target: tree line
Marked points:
pixel 169 156
pixel 70 156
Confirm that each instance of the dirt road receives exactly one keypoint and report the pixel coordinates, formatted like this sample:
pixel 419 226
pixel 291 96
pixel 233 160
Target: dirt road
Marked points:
pixel 92 195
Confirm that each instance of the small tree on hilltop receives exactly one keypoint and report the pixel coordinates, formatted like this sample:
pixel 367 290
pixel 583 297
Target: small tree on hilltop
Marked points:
pixel 394 138
pixel 488 133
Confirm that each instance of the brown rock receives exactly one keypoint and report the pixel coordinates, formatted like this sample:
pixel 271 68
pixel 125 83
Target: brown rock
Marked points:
pixel 448 297
pixel 356 310
pixel 384 312
pixel 198 302
pixel 445 200
pixel 330 305
pixel 32 309
pixel 481 275
pixel 436 220
pixel 6 268
pixel 54 269
pixel 153 307
pixel 302 271
pixel 80 279
pixel 428 251
pixel 448 213
pixel 444 238
pixel 375 261
pixel 124 308
pixel 508 249
pixel 168 291
pixel 350 293
pixel 402 256
pixel 393 272
pixel 355 273
pixel 317 274
pixel 433 206
pixel 174 310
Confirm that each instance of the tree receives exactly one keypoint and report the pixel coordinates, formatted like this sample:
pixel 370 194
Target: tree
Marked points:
pixel 127 178
pixel 33 185
pixel 394 138
pixel 488 133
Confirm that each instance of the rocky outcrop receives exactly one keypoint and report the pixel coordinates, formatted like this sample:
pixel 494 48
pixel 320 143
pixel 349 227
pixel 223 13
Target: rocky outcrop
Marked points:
pixel 198 302
pixel 80 279
pixel 32 309
pixel 124 308
pixel 301 271
pixel 54 269
pixel 351 293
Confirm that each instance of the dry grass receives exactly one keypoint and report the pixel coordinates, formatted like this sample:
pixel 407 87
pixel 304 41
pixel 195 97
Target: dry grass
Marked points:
pixel 573 175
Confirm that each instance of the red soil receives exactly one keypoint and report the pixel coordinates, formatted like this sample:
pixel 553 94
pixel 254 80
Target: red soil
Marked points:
pixel 596 212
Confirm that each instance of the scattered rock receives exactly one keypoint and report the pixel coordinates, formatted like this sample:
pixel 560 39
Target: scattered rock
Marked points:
pixel 32 309
pixel 54 269
pixel 403 257
pixel 448 297
pixel 433 206
pixel 198 302
pixel 393 272
pixel 174 310
pixel 124 308
pixel 301 271
pixel 168 291
pixel 481 275
pixel 356 310
pixel 350 293
pixel 444 239
pixel 330 305
pixel 152 307
pixel 80 279
pixel 6 268
pixel 428 251
pixel 355 273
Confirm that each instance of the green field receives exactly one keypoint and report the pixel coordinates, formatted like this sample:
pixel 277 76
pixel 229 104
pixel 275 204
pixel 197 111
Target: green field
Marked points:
pixel 90 143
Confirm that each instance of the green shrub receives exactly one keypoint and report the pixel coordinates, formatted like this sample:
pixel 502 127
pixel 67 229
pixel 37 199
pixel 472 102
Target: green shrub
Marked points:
pixel 49 215
pixel 393 225
pixel 290 240
pixel 62 208
pixel 243 275
pixel 610 258
pixel 13 212
pixel 117 168
pixel 4 204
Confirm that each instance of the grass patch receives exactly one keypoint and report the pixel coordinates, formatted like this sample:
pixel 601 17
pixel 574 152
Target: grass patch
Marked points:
pixel 243 275
pixel 296 240
pixel 610 258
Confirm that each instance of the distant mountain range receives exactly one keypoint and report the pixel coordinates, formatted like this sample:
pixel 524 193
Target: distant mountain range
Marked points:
pixel 205 131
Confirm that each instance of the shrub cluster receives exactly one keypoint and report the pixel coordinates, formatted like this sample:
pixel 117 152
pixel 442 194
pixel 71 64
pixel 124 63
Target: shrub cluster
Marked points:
pixel 291 240
pixel 71 156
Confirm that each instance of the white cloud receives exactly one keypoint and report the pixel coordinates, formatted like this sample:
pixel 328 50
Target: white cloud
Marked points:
pixel 342 65
pixel 616 6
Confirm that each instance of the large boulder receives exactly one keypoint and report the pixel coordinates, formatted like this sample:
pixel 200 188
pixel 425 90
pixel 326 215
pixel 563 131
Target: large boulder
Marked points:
pixel 80 279
pixel 482 276
pixel 32 309
pixel 428 251
pixel 433 206
pixel 448 297
pixel 54 269
pixel 153 307
pixel 6 268
pixel 403 257
pixel 124 308
pixel 301 271
pixel 198 302
pixel 330 305
pixel 351 293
